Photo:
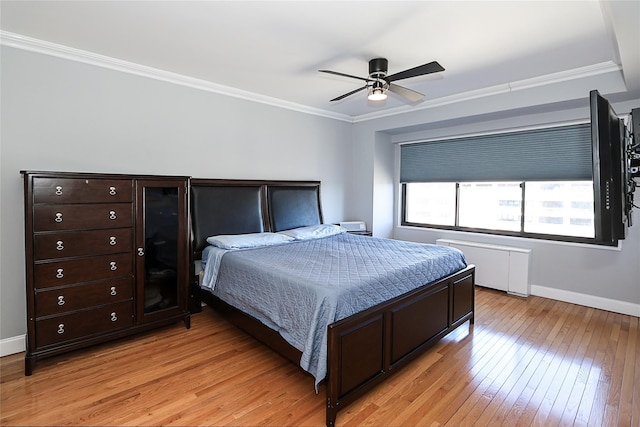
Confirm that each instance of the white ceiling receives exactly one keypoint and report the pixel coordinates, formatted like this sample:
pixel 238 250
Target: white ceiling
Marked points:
pixel 273 49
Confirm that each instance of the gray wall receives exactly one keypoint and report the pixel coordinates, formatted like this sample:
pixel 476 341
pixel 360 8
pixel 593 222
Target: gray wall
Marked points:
pixel 68 116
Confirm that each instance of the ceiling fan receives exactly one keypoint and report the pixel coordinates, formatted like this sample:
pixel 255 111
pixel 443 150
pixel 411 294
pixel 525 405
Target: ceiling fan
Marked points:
pixel 379 82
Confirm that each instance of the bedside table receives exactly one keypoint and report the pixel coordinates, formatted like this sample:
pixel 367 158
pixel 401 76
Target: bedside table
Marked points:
pixel 361 232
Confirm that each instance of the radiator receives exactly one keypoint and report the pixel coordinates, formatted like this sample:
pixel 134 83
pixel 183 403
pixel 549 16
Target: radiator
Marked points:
pixel 498 267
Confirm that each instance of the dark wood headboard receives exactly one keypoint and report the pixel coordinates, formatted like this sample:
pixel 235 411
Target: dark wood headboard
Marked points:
pixel 220 206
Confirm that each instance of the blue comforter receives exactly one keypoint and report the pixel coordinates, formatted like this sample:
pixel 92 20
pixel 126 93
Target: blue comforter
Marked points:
pixel 301 287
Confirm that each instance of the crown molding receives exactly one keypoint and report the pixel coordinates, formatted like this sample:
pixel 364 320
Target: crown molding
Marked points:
pixel 53 49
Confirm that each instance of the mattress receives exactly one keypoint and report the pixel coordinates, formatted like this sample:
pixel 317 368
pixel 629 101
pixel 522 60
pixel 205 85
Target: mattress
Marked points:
pixel 299 288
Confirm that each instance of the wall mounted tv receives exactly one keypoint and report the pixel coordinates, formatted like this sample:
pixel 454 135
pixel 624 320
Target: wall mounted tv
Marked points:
pixel 612 182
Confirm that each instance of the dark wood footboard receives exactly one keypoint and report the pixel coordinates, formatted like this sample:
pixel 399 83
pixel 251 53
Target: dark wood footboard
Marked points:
pixel 369 346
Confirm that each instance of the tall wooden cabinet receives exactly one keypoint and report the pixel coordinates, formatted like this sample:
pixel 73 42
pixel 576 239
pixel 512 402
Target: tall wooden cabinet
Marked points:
pixel 106 257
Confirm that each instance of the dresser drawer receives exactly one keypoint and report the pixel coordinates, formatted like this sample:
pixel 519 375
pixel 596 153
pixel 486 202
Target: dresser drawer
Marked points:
pixel 79 190
pixel 58 329
pixel 82 243
pixel 86 295
pixel 60 273
pixel 82 217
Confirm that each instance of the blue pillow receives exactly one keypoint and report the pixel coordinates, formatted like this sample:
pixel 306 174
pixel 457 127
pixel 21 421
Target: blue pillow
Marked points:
pixel 314 231
pixel 251 240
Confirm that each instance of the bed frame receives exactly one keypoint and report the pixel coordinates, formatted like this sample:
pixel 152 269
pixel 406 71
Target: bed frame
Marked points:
pixel 363 349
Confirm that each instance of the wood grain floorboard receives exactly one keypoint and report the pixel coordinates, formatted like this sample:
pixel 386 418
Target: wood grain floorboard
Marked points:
pixel 526 362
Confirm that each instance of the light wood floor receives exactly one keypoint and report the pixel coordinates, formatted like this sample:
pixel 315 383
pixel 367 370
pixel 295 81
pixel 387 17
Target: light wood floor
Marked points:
pixel 525 362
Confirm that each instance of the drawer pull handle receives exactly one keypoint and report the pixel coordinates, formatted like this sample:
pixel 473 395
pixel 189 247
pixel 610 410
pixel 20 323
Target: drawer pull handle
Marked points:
pixel 61 300
pixel 59 245
pixel 112 191
pixel 61 328
pixel 58 217
pixel 113 266
pixel 114 318
pixel 112 215
pixel 113 291
pixel 59 273
pixel 59 190
pixel 112 241
pixel 140 251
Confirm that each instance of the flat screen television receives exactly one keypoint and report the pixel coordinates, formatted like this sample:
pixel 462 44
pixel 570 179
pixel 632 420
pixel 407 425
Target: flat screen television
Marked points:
pixel 610 172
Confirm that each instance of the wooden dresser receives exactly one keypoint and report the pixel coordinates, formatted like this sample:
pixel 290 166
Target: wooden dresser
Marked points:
pixel 106 256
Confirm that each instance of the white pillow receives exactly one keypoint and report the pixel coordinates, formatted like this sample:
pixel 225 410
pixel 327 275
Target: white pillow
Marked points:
pixel 314 231
pixel 252 240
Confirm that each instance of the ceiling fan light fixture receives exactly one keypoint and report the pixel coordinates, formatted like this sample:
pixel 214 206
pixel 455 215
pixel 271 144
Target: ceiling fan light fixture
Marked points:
pixel 377 92
pixel 377 95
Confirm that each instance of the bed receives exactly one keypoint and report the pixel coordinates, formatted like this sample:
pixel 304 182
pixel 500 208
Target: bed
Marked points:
pixel 362 323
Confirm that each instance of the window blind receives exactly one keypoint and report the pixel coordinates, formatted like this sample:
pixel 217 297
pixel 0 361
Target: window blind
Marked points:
pixel 551 154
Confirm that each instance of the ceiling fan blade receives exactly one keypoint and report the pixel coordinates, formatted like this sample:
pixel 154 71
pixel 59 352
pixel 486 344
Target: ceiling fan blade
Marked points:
pixel 348 94
pixel 411 95
pixel 345 75
pixel 431 67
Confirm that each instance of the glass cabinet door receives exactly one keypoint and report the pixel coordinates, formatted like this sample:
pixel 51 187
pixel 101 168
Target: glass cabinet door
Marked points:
pixel 161 248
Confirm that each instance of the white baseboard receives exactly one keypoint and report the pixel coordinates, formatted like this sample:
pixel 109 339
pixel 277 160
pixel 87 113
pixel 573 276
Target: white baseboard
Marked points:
pixel 601 303
pixel 12 345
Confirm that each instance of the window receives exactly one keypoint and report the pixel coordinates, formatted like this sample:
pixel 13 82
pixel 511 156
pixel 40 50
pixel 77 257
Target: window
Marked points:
pixel 532 183
pixel 490 205
pixel 431 203
pixel 562 208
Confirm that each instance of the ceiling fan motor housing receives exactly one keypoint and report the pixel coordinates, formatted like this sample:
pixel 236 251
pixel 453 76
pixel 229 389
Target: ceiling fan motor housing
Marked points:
pixel 378 68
